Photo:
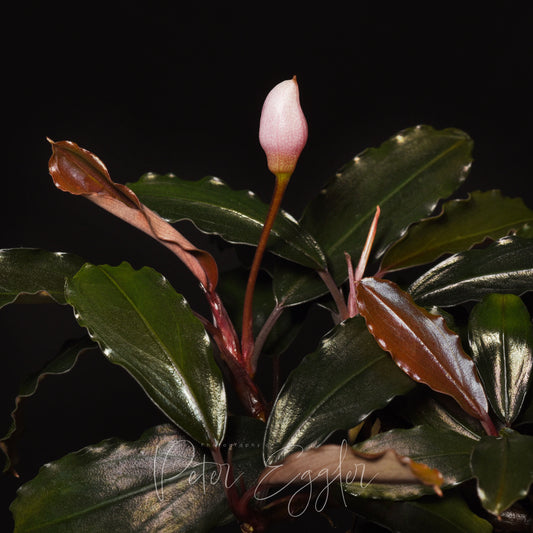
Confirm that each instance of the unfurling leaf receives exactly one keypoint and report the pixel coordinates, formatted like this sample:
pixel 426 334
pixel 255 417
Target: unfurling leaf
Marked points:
pixel 421 344
pixel 501 339
pixel 78 171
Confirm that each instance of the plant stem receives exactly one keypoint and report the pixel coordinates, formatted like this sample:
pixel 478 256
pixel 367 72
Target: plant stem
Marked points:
pixel 263 335
pixel 335 293
pixel 247 341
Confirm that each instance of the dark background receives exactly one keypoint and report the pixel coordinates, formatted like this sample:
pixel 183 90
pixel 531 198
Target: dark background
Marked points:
pixel 169 88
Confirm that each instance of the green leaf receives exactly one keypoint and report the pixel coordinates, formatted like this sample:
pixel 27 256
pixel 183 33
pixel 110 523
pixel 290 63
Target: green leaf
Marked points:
pixel 503 467
pixel 443 415
pixel 335 387
pixel 161 482
pixel 447 451
pixel 61 364
pixel 504 266
pixel 460 225
pixel 501 340
pixel 35 276
pixel 142 324
pixel 406 176
pixel 450 514
pixel 237 216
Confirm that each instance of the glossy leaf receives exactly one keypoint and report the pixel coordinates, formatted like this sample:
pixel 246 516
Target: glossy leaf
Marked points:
pixel 78 171
pixel 237 216
pixel 142 324
pixel 336 387
pixel 460 225
pixel 161 482
pixel 503 467
pixel 64 362
pixel 34 276
pixel 501 340
pixel 450 514
pixel 414 169
pixel 340 463
pixel 421 344
pixel 446 451
pixel 504 266
pixel 443 415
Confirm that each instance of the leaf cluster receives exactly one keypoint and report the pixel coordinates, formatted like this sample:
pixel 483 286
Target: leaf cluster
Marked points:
pixel 414 411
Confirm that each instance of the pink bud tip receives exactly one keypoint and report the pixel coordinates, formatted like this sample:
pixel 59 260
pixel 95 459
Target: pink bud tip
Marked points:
pixel 283 128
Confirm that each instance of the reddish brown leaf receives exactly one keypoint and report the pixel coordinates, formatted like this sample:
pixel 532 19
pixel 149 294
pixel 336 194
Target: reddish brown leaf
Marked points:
pixel 340 463
pixel 78 171
pixel 421 344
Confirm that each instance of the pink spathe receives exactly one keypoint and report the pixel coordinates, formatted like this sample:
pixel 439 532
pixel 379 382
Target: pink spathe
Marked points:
pixel 283 128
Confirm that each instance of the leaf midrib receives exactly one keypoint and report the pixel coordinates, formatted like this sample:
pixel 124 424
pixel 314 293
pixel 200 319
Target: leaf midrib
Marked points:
pixel 165 349
pixel 369 214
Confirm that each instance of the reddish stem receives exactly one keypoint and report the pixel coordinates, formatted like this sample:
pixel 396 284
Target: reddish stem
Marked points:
pixel 247 341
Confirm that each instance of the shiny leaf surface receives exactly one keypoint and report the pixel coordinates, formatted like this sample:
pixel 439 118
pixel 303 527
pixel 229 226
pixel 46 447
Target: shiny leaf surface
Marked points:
pixel 421 344
pixel 335 387
pixel 501 340
pixel 64 362
pixel 162 482
pixel 237 216
pixel 459 225
pixel 504 266
pixel 142 324
pixel 414 169
pixel 443 415
pixel 450 514
pixel 78 171
pixel 503 467
pixel 446 451
pixel 34 276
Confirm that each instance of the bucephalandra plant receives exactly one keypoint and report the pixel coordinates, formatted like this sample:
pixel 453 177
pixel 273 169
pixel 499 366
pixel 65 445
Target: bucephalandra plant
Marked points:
pixel 407 414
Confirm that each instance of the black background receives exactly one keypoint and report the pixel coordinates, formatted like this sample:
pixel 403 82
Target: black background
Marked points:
pixel 172 88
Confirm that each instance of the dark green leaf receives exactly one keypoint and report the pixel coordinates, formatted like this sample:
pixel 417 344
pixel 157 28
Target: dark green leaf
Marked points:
pixel 504 266
pixel 460 225
pixel 447 515
pixel 33 275
pixel 447 451
pixel 142 324
pixel 503 467
pixel 443 415
pixel 501 340
pixel 406 176
pixel 237 216
pixel 162 482
pixel 64 362
pixel 336 387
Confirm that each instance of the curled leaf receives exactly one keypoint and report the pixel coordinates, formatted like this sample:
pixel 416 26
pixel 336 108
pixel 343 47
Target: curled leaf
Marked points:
pixel 78 171
pixel 341 463
pixel 421 344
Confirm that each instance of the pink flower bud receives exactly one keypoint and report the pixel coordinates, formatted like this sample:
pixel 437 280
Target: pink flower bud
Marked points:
pixel 283 128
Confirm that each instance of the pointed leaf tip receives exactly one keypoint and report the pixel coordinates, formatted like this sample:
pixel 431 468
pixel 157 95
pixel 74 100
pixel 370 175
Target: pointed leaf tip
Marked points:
pixel 421 344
